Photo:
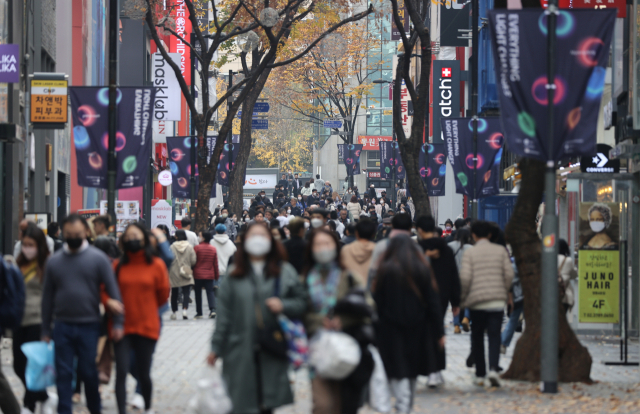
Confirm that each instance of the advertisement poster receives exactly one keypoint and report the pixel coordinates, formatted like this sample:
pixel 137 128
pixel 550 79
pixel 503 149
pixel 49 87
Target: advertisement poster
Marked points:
pixel 89 112
pixel 126 212
pixel 390 158
pixel 433 168
pixel 350 153
pixel 458 140
pixel 87 213
pixel 519 42
pixel 179 149
pixel 598 263
pixel 161 213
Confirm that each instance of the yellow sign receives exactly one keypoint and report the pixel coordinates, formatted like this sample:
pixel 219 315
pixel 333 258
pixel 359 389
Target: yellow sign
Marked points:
pixel 599 286
pixel 48 101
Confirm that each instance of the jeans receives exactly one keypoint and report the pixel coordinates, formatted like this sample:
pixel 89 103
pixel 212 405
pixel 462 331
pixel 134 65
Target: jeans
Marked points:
pixel 20 336
pixel 76 340
pixel 404 390
pixel 207 285
pixel 507 334
pixel 491 321
pixel 143 349
pixel 185 297
pixel 8 402
pixel 456 319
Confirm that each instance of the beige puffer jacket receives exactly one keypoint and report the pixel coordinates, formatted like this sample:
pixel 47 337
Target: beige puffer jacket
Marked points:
pixel 180 272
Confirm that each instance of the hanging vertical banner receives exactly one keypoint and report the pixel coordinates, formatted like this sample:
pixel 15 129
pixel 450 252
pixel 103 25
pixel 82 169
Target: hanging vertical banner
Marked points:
pixel 519 40
pixel 180 14
pixel 90 115
pixel 446 94
pixel 390 158
pixel 350 153
pixel 458 137
pixel 599 263
pixel 403 14
pixel 168 93
pixel 405 118
pixel 227 157
pixel 433 168
pixel 179 149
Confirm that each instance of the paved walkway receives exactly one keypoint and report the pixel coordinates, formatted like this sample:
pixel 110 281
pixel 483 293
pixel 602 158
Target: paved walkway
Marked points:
pixel 183 346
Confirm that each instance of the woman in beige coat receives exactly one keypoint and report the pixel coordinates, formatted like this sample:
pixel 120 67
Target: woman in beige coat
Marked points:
pixel 354 207
pixel 180 273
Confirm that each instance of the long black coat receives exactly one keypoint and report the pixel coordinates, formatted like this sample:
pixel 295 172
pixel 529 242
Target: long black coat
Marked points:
pixel 296 247
pixel 408 326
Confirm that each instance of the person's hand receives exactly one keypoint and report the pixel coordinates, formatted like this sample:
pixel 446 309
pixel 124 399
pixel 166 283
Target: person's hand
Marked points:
pixel 45 338
pixel 117 334
pixel 441 342
pixel 275 305
pixel 159 235
pixel 433 254
pixel 115 306
pixel 212 358
pixel 455 310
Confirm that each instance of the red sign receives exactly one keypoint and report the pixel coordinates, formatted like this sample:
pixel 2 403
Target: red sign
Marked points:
pixel 180 13
pixel 591 4
pixel 370 142
pixel 372 174
pixel 446 72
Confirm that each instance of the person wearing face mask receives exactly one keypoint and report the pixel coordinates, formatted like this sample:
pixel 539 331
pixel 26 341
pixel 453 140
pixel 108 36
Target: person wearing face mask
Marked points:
pixel 144 284
pixel 31 261
pixel 319 218
pixel 600 218
pixel 328 285
pixel 354 208
pixel 448 228
pixel 205 274
pixel 232 232
pixel 260 285
pixel 180 273
pixel 293 207
pixel 71 295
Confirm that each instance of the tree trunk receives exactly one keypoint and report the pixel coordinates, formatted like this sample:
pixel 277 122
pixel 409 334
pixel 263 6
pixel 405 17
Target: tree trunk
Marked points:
pixel 574 359
pixel 236 177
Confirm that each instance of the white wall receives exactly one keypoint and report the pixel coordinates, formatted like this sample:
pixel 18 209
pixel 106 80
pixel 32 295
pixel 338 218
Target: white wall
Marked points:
pixel 451 205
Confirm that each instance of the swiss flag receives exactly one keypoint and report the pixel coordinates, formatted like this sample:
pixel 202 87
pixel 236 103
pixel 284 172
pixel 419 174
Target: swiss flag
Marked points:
pixel 446 72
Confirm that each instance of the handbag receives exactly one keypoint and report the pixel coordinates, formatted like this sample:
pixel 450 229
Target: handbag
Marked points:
pixel 270 338
pixel 297 343
pixel 334 355
pixel 186 274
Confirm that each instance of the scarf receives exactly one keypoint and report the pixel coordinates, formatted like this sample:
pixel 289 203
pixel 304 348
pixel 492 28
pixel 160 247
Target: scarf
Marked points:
pixel 323 293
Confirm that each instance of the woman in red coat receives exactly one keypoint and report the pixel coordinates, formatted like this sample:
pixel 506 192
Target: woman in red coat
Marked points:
pixel 205 273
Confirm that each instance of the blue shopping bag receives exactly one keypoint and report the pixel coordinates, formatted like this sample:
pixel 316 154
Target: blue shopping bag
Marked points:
pixel 41 369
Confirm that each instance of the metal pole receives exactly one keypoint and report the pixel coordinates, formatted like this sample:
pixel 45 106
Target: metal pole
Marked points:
pixel 474 102
pixel 394 194
pixel 193 138
pixel 230 133
pixel 114 29
pixel 549 288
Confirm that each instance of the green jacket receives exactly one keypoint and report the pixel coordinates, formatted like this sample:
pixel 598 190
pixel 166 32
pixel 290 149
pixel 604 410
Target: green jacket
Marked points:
pixel 234 337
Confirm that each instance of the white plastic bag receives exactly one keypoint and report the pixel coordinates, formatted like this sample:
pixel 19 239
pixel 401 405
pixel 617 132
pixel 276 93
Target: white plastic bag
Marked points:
pixel 334 355
pixel 211 397
pixel 379 394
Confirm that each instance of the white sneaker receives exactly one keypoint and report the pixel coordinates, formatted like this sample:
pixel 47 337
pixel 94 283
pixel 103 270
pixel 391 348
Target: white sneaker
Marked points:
pixel 440 377
pixel 137 402
pixel 503 349
pixel 494 379
pixel 50 406
pixel 479 381
pixel 184 314
pixel 173 316
pixel 434 380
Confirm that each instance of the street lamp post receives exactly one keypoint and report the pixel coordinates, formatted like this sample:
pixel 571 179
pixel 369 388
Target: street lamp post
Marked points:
pixel 114 28
pixel 394 138
pixel 474 103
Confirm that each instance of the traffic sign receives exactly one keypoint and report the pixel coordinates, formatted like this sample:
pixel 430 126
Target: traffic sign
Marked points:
pixel 261 107
pixel 332 123
pixel 239 114
pixel 259 124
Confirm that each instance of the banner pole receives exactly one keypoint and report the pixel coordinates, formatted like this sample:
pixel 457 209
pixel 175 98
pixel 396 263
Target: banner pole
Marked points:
pixel 474 102
pixel 114 25
pixel 549 275
pixel 192 178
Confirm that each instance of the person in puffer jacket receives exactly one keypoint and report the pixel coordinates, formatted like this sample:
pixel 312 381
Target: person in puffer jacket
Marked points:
pixel 205 274
pixel 225 248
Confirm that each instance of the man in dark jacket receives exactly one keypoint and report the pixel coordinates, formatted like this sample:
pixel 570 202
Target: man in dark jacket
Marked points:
pixel 296 245
pixel 295 185
pixel 294 207
pixel 445 270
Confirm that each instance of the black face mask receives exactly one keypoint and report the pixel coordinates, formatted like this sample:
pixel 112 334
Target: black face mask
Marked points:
pixel 132 246
pixel 74 243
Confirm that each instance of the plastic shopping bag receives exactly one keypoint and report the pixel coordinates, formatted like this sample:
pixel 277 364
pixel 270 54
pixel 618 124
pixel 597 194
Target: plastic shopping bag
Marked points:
pixel 297 343
pixel 334 355
pixel 379 394
pixel 41 369
pixel 212 396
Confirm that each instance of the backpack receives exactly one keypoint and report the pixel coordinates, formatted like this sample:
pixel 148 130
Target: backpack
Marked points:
pixel 12 296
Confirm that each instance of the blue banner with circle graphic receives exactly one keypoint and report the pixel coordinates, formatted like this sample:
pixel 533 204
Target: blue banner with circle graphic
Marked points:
pixel 350 153
pixel 179 150
pixel 458 139
pixel 432 162
pixel 519 40
pixel 90 116
pixel 390 158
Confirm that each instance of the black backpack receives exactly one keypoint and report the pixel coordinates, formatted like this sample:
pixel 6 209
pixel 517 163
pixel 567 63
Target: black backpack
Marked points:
pixel 12 296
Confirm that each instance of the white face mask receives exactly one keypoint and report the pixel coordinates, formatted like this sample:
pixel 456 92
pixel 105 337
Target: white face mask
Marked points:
pixel 448 227
pixel 29 253
pixel 289 211
pixel 224 216
pixel 597 226
pixel 257 245
pixel 247 219
pixel 324 256
pixel 299 198
pixel 317 223
pixel 306 225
